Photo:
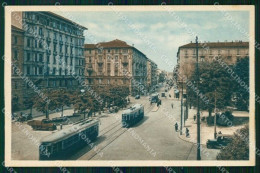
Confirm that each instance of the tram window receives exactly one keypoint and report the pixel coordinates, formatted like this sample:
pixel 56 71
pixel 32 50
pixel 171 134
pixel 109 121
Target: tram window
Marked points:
pixel 55 148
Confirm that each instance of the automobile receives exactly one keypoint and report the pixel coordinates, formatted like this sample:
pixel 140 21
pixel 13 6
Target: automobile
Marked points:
pixel 137 97
pixel 221 141
pixel 163 94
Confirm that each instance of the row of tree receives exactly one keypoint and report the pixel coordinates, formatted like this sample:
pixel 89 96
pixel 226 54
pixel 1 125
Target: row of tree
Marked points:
pixel 84 101
pixel 220 85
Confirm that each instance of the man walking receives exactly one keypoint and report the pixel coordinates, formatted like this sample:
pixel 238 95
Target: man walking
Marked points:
pixel 172 105
pixel 187 132
pixel 176 127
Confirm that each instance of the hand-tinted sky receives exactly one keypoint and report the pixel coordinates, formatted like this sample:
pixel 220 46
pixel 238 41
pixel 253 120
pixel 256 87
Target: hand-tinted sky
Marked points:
pixel 164 31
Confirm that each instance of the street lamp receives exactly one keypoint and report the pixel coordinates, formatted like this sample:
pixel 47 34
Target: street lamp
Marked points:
pixel 181 107
pixel 198 104
pixel 215 118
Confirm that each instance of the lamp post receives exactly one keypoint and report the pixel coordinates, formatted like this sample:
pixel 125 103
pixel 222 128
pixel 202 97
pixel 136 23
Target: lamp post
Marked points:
pixel 215 118
pixel 181 107
pixel 198 104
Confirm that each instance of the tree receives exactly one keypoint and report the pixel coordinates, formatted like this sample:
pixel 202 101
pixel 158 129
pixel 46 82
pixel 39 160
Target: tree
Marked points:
pixel 213 78
pixel 61 98
pixel 29 102
pixel 82 102
pixel 44 105
pixel 241 68
pixel 238 149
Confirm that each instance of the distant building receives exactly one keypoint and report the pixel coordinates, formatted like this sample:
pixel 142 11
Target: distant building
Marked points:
pixel 230 52
pixel 116 63
pixel 151 74
pixel 52 50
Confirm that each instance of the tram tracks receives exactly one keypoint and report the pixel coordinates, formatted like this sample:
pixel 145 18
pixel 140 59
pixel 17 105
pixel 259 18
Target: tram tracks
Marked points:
pixel 110 136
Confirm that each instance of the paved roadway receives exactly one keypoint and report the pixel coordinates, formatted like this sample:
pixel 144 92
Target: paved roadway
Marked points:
pixel 154 138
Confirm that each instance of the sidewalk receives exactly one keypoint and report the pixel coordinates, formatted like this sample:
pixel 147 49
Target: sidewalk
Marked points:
pixel 206 132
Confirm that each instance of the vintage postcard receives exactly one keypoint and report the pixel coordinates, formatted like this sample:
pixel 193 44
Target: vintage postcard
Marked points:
pixel 130 86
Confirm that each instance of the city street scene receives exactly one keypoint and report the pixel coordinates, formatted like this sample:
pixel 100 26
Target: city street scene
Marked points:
pixel 123 85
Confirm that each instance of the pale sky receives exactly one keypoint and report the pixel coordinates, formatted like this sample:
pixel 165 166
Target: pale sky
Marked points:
pixel 161 29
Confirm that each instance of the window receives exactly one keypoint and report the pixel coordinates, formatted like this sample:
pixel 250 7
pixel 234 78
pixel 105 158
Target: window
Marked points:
pixel 15 55
pixel 116 58
pixel 55 47
pixel 48 59
pixel 55 36
pixel 238 51
pixel 194 51
pixel 40 57
pixel 15 40
pixel 28 70
pixel 40 44
pixel 40 70
pixel 66 71
pixel 60 37
pixel 228 52
pixel 219 52
pixel 108 50
pixel 54 59
pixel 186 52
pixel 54 71
pixel 28 56
pixel 99 81
pixel 108 58
pixel 60 70
pixel 66 49
pixel 99 50
pixel 28 42
pixel 108 81
pixel 116 50
pixel 40 31
pixel 35 43
pixel 124 50
pixel 71 61
pixel 125 58
pixel 89 51
pixel 35 70
pixel 60 48
pixel 66 60
pixel 90 59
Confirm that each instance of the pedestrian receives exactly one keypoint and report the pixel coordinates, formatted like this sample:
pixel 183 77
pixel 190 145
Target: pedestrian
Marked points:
pixel 187 132
pixel 176 127
pixel 194 117
pixel 170 95
pixel 172 105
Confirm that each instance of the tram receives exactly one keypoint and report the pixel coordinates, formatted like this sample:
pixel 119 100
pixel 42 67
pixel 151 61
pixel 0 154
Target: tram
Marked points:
pixel 62 143
pixel 132 115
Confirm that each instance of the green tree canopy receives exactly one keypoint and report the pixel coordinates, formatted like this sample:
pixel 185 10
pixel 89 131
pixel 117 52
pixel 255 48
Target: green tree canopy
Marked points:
pixel 238 149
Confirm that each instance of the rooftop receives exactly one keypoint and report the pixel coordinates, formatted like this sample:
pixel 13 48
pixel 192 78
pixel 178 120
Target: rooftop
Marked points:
pixel 111 44
pixel 217 44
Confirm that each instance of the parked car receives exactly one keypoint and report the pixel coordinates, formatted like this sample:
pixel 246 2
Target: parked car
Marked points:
pixel 163 94
pixel 137 97
pixel 221 141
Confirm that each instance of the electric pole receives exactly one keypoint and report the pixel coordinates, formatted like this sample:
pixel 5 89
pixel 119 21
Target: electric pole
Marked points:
pixel 215 118
pixel 198 104
pixel 181 107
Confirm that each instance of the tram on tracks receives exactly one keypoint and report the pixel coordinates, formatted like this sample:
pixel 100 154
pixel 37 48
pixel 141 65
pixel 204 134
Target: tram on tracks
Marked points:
pixel 132 115
pixel 62 143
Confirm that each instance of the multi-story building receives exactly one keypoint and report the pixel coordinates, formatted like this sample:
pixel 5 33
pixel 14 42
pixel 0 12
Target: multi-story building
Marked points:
pixel 52 49
pixel 230 52
pixel 116 63
pixel 151 74
pixel 17 61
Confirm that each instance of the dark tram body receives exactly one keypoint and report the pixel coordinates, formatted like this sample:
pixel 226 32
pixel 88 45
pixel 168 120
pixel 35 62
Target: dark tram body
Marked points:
pixel 62 143
pixel 132 115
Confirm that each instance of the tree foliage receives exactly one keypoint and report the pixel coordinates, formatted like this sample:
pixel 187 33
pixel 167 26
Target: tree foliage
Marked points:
pixel 241 68
pixel 214 82
pixel 238 149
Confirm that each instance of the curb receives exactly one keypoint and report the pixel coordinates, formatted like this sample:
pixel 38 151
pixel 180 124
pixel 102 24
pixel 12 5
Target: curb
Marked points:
pixel 183 139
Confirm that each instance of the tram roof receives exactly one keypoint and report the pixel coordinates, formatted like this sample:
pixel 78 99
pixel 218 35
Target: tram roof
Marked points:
pixel 131 109
pixel 70 131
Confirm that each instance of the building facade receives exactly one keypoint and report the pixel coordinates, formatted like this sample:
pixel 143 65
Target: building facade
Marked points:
pixel 116 63
pixel 53 50
pixel 229 52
